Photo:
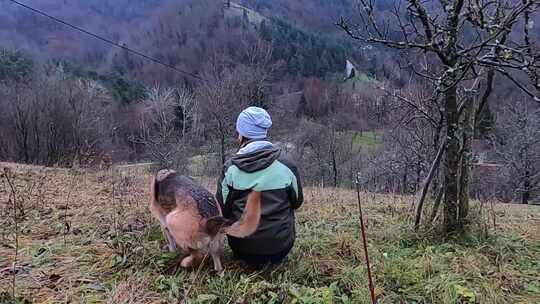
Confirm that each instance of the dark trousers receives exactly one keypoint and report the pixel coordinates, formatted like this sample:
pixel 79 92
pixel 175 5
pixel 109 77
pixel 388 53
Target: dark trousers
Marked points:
pixel 259 260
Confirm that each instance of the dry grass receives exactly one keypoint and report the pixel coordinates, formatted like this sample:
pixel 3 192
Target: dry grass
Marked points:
pixel 102 246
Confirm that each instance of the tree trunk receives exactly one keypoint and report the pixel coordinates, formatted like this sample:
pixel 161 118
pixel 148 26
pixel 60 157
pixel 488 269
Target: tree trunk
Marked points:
pixel 451 161
pixel 321 174
pixel 526 188
pixel 418 175
pixel 335 169
pixel 183 111
pixel 333 148
pixel 426 184
pixel 466 158
pixel 404 182
pixel 436 204
pixel 222 150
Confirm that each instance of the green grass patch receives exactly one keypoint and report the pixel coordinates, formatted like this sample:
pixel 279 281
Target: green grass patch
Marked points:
pixel 364 78
pixel 327 266
pixel 366 139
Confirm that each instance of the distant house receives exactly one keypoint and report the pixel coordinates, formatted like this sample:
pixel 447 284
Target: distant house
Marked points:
pixel 486 171
pixel 350 70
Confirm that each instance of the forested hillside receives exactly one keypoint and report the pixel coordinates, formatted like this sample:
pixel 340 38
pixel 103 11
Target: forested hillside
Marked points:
pixel 182 33
pixel 288 56
pixel 23 29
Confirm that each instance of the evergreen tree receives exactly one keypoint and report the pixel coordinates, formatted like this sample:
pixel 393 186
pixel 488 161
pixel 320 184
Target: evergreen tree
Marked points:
pixel 15 66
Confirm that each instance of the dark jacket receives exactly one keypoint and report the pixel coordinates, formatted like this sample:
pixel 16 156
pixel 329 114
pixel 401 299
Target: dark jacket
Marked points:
pixel 277 178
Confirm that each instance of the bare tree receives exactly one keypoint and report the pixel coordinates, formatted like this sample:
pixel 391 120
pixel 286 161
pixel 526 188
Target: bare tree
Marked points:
pixel 461 41
pixel 227 90
pixel 164 142
pixel 327 154
pixel 517 143
pixel 54 119
pixel 221 101
pixel 187 104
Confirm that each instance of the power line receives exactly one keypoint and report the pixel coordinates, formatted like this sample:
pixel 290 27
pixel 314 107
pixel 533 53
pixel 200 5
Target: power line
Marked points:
pixel 104 39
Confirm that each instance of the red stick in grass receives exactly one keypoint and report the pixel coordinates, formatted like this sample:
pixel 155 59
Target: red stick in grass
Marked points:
pixel 363 229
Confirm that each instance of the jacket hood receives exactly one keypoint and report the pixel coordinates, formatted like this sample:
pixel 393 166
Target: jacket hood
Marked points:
pixel 257 160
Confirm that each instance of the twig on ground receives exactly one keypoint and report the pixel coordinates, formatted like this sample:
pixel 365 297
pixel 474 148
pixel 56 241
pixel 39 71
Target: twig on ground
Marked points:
pixel 364 240
pixel 67 226
pixel 14 197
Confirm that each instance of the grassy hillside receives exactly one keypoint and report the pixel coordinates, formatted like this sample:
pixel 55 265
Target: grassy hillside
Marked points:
pixel 367 139
pixel 88 237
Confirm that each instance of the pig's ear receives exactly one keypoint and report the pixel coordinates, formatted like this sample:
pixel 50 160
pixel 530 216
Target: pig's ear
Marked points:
pixel 215 224
pixel 250 219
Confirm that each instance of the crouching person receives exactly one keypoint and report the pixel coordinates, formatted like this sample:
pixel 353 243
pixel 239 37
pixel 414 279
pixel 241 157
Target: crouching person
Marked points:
pixel 260 167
